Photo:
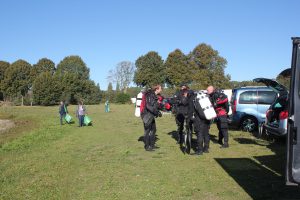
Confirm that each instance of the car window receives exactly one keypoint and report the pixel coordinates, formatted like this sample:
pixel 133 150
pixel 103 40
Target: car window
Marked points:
pixel 266 97
pixel 248 97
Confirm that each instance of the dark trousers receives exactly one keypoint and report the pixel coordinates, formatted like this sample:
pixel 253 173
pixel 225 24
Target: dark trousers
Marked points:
pixel 180 123
pixel 62 116
pixel 149 134
pixel 201 128
pixel 81 119
pixel 222 125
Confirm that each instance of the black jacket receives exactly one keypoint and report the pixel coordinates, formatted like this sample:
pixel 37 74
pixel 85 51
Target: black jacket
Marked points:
pixel 183 103
pixel 151 104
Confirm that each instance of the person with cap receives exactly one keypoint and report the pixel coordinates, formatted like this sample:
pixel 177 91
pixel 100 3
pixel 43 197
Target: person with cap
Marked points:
pixel 220 103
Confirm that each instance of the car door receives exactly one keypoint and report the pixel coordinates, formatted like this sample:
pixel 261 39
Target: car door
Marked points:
pixel 293 139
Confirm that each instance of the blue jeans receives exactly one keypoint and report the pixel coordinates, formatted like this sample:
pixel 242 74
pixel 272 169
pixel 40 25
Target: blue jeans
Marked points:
pixel 62 116
pixel 81 119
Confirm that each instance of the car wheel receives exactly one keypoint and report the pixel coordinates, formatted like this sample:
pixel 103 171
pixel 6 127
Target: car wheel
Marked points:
pixel 249 124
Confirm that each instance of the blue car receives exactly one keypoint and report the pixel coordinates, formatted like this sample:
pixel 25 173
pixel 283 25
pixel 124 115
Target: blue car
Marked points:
pixel 249 105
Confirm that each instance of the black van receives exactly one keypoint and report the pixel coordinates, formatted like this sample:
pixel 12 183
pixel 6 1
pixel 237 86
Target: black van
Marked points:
pixel 293 134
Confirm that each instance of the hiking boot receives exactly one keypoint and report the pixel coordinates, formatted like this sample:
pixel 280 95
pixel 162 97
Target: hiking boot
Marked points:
pixel 224 146
pixel 149 149
pixel 198 153
pixel 205 151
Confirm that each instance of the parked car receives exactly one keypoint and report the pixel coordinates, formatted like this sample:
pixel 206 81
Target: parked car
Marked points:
pixel 277 114
pixel 249 105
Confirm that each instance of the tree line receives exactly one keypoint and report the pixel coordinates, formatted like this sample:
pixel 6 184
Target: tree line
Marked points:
pixel 202 67
pixel 44 83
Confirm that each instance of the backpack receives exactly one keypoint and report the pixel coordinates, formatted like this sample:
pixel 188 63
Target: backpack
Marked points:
pixel 221 95
pixel 143 103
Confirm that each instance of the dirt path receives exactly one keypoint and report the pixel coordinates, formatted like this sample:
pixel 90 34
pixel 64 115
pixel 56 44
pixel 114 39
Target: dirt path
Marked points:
pixel 6 124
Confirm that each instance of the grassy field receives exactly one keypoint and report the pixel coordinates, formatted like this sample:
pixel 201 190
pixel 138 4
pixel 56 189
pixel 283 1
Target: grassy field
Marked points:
pixel 39 159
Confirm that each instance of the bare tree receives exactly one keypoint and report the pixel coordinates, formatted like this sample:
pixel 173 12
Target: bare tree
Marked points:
pixel 122 74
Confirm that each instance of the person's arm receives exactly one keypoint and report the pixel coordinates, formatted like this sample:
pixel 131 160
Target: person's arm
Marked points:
pixel 220 101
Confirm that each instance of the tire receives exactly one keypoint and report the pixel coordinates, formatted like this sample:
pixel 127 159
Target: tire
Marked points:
pixel 249 124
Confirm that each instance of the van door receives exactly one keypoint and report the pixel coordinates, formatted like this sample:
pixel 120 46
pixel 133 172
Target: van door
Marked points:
pixel 293 136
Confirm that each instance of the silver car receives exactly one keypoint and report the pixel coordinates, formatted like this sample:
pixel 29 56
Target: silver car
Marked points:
pixel 277 114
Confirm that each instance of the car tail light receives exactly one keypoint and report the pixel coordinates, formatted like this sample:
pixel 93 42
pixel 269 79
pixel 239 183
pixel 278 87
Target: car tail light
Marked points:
pixel 283 115
pixel 268 113
pixel 234 107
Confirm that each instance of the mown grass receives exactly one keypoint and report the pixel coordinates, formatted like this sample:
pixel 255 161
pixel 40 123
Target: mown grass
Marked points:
pixel 106 161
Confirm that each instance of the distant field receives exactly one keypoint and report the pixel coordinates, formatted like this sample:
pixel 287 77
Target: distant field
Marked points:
pixel 39 159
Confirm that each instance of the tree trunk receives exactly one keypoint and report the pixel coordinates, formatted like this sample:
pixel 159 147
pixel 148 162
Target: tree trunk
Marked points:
pixel 22 104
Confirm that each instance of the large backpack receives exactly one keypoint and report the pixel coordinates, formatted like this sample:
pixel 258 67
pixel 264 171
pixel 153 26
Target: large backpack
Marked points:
pixel 143 103
pixel 222 96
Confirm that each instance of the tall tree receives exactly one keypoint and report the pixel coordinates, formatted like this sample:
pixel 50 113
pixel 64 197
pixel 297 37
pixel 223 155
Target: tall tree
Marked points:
pixel 150 70
pixel 46 89
pixel 178 69
pixel 3 66
pixel 110 93
pixel 71 86
pixel 122 75
pixel 17 79
pixel 206 58
pixel 43 65
pixel 73 64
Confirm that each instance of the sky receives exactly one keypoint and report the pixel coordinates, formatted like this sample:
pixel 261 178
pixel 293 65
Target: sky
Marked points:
pixel 254 36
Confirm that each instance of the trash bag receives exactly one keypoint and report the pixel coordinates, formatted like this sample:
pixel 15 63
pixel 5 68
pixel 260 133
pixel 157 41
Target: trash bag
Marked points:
pixel 87 120
pixel 68 118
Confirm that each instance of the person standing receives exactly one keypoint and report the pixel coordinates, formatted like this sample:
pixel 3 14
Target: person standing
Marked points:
pixel 220 103
pixel 201 127
pixel 182 110
pixel 148 115
pixel 106 106
pixel 62 111
pixel 80 113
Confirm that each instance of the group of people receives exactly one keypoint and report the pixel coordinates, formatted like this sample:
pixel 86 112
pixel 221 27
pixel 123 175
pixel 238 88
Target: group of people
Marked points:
pixel 189 114
pixel 80 112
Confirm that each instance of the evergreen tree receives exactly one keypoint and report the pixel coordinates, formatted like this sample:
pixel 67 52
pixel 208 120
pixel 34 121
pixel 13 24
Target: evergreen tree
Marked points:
pixel 150 70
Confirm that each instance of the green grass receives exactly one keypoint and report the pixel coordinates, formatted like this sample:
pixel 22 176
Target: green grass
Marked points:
pixel 106 161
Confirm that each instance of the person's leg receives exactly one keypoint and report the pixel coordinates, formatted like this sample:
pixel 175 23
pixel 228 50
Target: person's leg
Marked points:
pixel 206 137
pixel 81 120
pixel 220 139
pixel 152 134
pixel 61 119
pixel 147 137
pixel 180 124
pixel 224 130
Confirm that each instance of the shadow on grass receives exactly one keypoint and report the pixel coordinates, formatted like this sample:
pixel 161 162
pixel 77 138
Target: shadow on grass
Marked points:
pixel 275 162
pixel 258 181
